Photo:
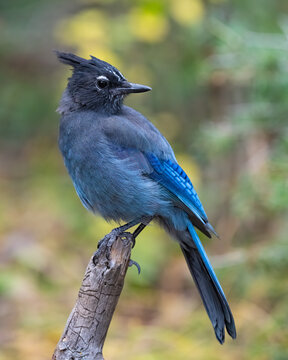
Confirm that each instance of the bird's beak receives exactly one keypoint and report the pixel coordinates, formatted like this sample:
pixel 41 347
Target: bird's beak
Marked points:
pixel 128 88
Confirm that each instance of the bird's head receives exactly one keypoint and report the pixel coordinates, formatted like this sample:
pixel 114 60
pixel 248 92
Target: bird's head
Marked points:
pixel 97 85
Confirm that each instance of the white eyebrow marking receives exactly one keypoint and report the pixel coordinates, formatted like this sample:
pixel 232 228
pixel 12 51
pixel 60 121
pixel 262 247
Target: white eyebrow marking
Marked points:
pixel 102 77
pixel 119 75
pixel 116 74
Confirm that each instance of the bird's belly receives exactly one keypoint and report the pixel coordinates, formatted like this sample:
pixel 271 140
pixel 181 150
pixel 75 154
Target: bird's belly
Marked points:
pixel 116 192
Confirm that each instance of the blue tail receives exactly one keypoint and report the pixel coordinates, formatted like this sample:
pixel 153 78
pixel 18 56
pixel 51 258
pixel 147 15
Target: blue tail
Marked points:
pixel 209 288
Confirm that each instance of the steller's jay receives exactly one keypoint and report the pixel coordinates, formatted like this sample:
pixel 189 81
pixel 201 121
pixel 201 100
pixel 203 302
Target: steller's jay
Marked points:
pixel 123 168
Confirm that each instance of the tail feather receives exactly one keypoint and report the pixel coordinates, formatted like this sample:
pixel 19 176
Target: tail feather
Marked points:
pixel 205 279
pixel 209 288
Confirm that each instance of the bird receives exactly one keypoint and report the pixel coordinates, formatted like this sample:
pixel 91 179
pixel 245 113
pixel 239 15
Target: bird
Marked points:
pixel 124 169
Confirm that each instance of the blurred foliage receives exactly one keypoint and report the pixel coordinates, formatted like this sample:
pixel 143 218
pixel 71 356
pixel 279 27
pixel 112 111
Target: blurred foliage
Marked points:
pixel 220 95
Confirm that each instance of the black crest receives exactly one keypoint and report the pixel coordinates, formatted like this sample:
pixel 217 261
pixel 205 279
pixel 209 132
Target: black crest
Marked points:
pixel 94 64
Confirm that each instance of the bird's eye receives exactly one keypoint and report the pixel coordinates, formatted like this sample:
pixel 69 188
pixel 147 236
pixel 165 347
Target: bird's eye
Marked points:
pixel 102 82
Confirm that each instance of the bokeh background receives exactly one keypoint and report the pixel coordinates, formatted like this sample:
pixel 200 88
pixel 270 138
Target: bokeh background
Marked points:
pixel 219 72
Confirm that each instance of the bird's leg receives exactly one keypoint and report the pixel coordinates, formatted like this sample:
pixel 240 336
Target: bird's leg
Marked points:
pixel 134 235
pixel 133 239
pixel 144 221
pixel 118 230
pixel 140 228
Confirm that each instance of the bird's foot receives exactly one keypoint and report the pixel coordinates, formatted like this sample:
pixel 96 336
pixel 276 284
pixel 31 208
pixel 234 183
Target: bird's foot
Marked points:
pixel 132 262
pixel 132 240
pixel 121 229
pixel 109 239
pixel 144 221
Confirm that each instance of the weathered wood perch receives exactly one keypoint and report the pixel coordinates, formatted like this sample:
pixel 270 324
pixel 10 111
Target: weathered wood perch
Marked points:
pixel 88 323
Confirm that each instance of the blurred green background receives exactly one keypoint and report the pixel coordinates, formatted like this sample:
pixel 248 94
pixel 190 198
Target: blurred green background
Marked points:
pixel 219 72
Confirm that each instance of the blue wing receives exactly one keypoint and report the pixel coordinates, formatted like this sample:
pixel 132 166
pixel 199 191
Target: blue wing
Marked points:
pixel 170 175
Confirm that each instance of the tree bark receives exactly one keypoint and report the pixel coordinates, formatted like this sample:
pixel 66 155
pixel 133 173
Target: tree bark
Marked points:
pixel 87 325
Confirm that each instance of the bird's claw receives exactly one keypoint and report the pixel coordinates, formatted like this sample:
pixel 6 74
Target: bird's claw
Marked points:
pixel 120 231
pixel 109 240
pixel 133 241
pixel 132 262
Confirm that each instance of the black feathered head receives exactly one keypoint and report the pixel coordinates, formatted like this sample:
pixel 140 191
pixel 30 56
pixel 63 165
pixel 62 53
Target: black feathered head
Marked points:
pixel 97 85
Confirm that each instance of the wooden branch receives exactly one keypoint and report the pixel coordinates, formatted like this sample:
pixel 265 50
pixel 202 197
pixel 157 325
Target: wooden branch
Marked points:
pixel 87 325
